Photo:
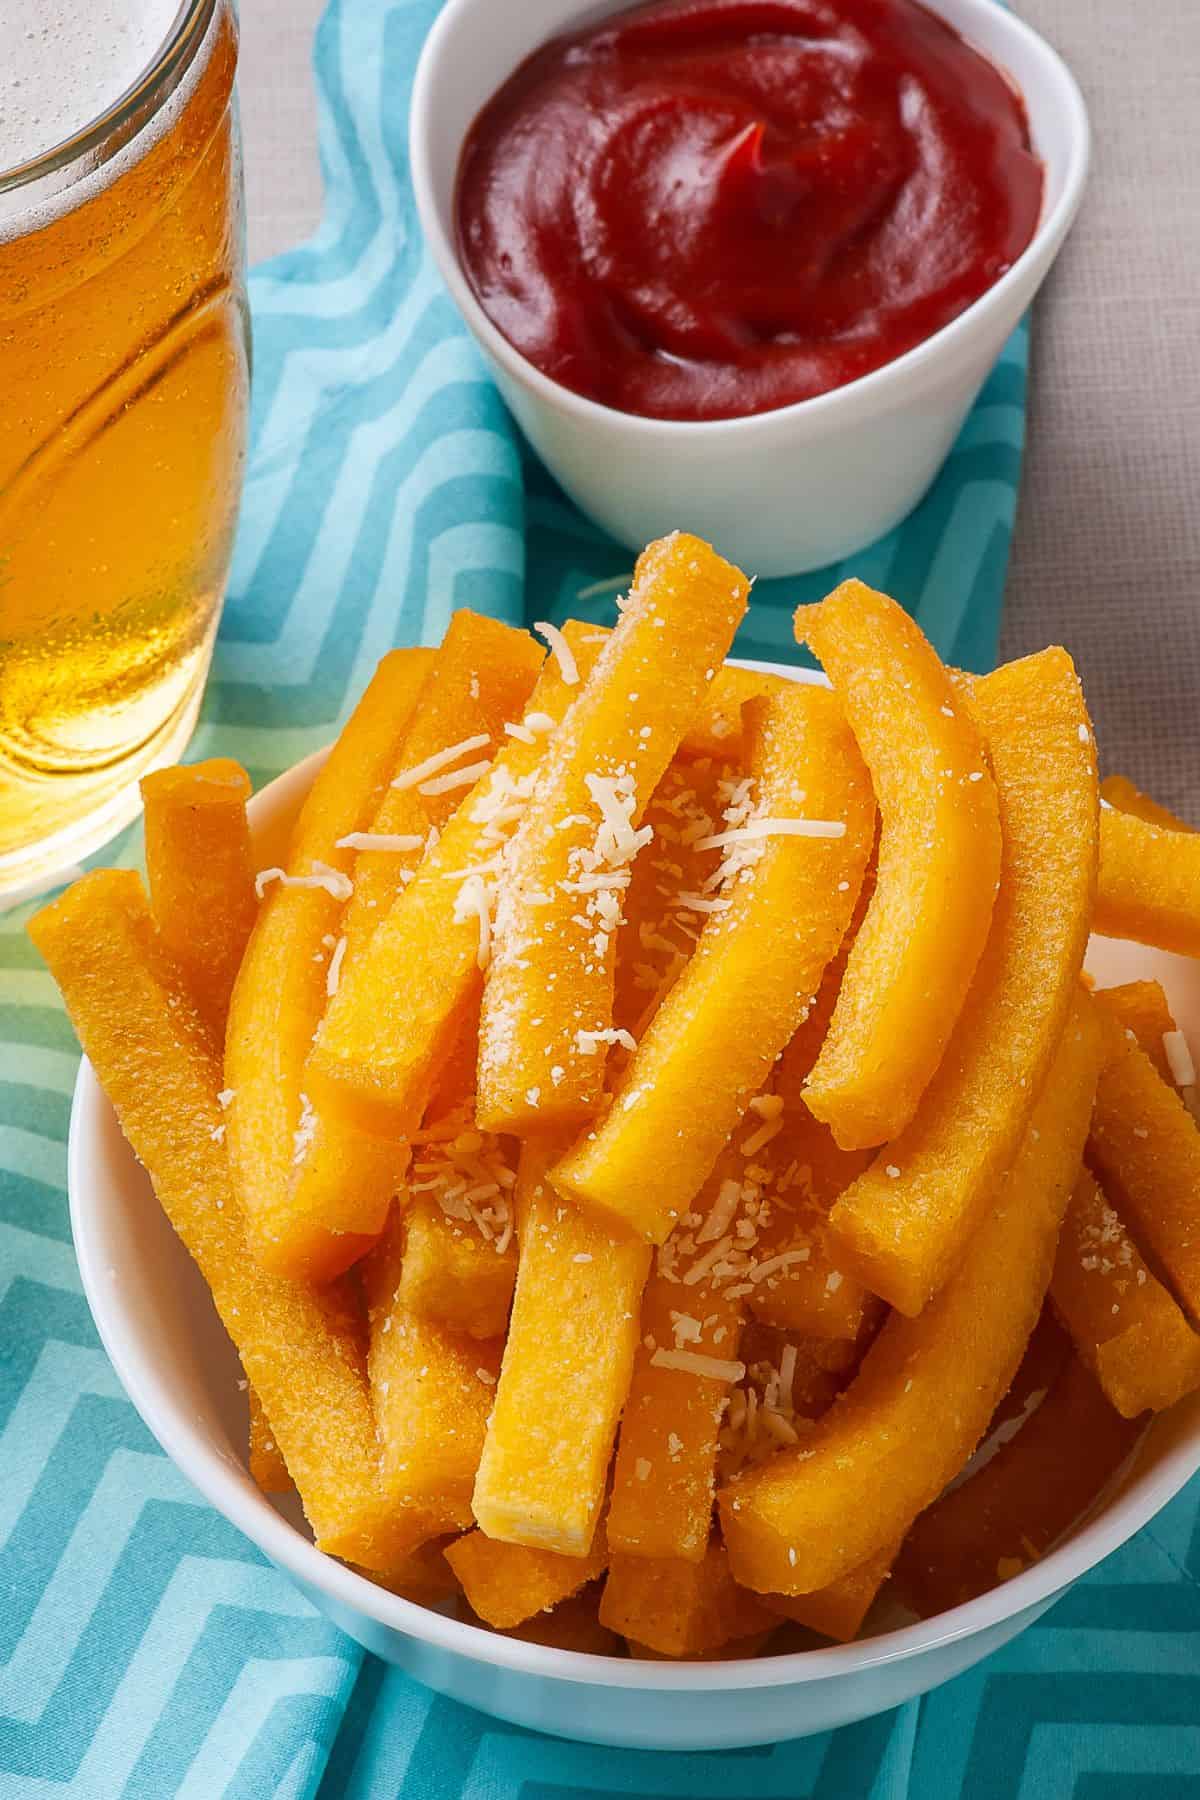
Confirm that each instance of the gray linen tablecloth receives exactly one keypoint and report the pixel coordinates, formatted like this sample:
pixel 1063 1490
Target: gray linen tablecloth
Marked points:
pixel 1107 551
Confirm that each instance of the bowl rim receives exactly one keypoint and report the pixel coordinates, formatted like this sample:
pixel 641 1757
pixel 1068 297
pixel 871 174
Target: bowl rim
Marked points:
pixel 860 396
pixel 210 1471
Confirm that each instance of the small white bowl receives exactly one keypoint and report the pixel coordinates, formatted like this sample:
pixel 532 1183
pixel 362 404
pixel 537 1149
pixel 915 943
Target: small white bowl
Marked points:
pixel 157 1322
pixel 781 491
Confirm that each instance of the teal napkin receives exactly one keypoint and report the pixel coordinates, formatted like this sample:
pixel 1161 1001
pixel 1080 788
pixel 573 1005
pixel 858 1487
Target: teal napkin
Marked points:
pixel 146 1649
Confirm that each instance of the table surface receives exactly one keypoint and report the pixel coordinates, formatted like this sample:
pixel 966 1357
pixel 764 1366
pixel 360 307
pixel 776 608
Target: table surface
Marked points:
pixel 1107 552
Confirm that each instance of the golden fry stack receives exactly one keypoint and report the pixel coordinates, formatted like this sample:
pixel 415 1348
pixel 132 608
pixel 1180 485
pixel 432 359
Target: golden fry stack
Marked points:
pixel 651 1128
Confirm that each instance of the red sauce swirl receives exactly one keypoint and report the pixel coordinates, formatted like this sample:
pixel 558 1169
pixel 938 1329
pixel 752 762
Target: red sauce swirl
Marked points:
pixel 704 208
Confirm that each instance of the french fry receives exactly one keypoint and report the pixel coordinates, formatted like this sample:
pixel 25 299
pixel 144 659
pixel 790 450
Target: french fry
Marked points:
pixel 1149 886
pixel 431 1390
pixel 565 1374
pixel 679 1608
pixel 280 991
pixel 1125 1326
pixel 912 962
pixel 717 731
pixel 1013 1509
pixel 343 1184
pixel 927 1387
pixel 787 902
pixel 838 1611
pixel 459 1257
pixel 459 1261
pixel 450 1273
pixel 664 1474
pixel 508 1583
pixel 480 680
pixel 1145 1149
pixel 423 1576
pixel 405 1000
pixel 1116 790
pixel 572 1625
pixel 267 1466
pixel 903 1225
pixel 155 1062
pixel 1141 1007
pixel 201 876
pixel 547 1004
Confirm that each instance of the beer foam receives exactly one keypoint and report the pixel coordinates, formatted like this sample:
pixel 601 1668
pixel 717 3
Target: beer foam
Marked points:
pixel 65 62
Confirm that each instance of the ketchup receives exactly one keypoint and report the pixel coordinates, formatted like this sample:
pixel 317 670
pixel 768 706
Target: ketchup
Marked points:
pixel 704 208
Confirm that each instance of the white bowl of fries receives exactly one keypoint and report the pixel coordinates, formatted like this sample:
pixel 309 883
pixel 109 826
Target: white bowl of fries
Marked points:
pixel 726 1643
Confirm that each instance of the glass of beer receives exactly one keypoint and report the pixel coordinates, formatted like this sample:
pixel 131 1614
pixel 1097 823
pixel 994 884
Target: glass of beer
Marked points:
pixel 124 348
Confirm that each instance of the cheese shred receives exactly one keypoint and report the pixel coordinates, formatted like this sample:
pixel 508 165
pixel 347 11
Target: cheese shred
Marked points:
pixel 441 759
pixel 693 1362
pixel 560 650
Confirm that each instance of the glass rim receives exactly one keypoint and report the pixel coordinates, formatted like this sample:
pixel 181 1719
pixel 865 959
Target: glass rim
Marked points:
pixel 130 110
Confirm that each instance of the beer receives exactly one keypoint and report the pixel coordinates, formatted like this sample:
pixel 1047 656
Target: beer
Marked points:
pixel 123 396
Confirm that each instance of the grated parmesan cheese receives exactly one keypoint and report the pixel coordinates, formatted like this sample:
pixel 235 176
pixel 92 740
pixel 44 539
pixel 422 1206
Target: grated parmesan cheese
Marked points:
pixel 760 1418
pixel 588 1042
pixel 787 1370
pixel 617 842
pixel 399 841
pixel 472 902
pixel 560 650
pixel 775 1265
pixel 305 1131
pixel 771 1128
pixel 441 759
pixel 455 778
pixel 703 1264
pixel 335 884
pixel 333 973
pixel 722 1214
pixel 694 1362
pixel 686 1329
pixel 1179 1059
pixel 759 829
pixel 465 1171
